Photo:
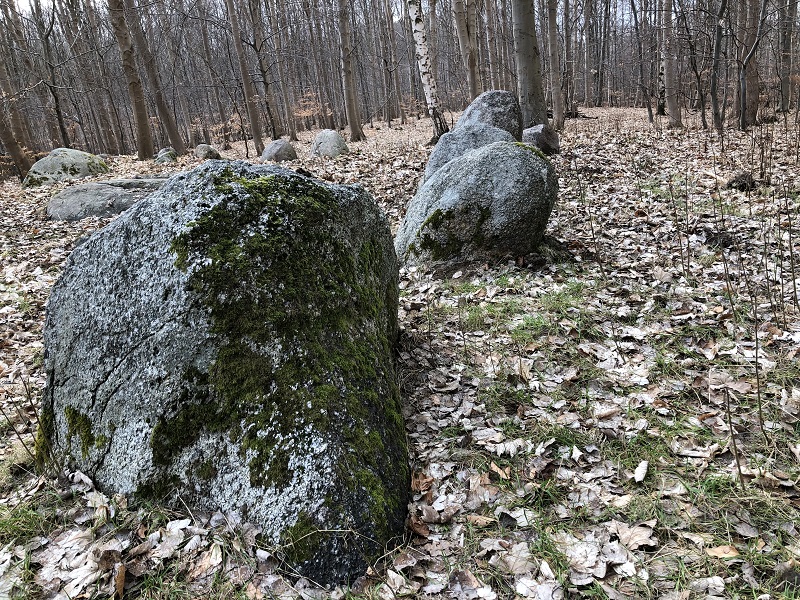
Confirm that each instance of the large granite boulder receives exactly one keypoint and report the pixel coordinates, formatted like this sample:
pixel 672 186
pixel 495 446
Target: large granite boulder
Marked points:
pixel 206 152
pixel 227 343
pixel 544 137
pixel 64 164
pixel 104 199
pixel 462 140
pixel 329 144
pixel 279 151
pixel 498 108
pixel 494 200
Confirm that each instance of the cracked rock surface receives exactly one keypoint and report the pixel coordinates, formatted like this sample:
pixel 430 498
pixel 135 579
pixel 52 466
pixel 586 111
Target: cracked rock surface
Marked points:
pixel 227 343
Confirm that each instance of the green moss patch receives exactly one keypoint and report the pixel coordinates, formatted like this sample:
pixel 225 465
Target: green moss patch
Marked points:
pixel 302 355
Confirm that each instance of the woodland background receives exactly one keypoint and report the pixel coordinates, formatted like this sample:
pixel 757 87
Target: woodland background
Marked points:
pixel 76 73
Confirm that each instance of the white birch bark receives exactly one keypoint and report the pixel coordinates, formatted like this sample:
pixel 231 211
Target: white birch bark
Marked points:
pixel 424 64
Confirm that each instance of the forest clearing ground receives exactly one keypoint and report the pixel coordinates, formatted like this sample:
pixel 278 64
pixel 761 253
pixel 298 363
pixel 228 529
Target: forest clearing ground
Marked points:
pixel 617 417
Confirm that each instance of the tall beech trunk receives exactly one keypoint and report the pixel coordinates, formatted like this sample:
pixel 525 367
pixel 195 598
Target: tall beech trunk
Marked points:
pixel 555 65
pixel 465 14
pixel 424 64
pixel 640 51
pixel 529 66
pixel 716 109
pixel 348 79
pixel 166 116
pixel 671 68
pixel 21 160
pixel 247 83
pixel 748 72
pixel 144 138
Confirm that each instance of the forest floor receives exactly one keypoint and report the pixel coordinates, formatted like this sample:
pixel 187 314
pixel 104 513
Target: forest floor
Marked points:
pixel 616 417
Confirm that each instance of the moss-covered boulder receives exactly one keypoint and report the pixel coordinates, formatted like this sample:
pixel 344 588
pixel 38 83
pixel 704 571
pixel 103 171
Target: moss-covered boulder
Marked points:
pixel 64 164
pixel 495 200
pixel 227 343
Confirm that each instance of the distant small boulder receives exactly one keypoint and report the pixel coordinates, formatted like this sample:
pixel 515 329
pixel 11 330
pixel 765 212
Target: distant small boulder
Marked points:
pixel 498 108
pixel 491 201
pixel 543 137
pixel 166 156
pixel 102 199
pixel 462 140
pixel 206 151
pixel 64 164
pixel 329 144
pixel 279 151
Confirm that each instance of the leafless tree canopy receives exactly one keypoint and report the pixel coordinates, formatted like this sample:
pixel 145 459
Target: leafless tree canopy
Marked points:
pixel 100 76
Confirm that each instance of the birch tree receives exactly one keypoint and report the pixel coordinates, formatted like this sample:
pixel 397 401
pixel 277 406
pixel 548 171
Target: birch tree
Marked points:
pixel 424 63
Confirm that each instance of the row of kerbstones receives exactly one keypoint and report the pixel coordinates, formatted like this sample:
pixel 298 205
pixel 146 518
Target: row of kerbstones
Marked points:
pixel 236 330
pixel 483 192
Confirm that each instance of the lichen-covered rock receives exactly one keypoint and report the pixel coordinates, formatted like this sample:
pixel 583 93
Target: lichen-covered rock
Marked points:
pixel 279 151
pixel 544 137
pixel 64 164
pixel 227 344
pixel 494 200
pixel 206 151
pixel 328 144
pixel 166 156
pixel 462 140
pixel 104 199
pixel 498 108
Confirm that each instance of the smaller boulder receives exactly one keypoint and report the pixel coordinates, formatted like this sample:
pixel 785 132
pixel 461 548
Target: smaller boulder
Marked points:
pixel 329 144
pixel 462 140
pixel 498 108
pixel 279 151
pixel 491 201
pixel 543 137
pixel 64 164
pixel 166 156
pixel 206 151
pixel 104 199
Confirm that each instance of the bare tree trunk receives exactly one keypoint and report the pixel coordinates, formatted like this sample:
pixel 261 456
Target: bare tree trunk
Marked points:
pixel 671 68
pixel 279 26
pixel 589 52
pixel 787 16
pixel 464 13
pixel 424 64
pixel 151 70
pixel 569 61
pixel 17 153
pixel 15 118
pixel 716 110
pixel 555 65
pixel 748 73
pixel 645 91
pixel 348 80
pixel 247 83
pixel 259 39
pixel 144 138
pixel 529 66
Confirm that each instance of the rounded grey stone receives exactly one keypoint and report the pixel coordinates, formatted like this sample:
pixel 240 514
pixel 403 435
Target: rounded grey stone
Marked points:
pixel 328 144
pixel 494 200
pixel 279 151
pixel 498 108
pixel 64 164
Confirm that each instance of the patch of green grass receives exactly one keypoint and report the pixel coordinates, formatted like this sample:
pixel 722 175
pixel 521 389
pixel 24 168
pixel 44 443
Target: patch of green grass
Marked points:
pixel 628 453
pixel 462 287
pixel 27 520
pixel 563 436
pixel 533 327
pixel 572 295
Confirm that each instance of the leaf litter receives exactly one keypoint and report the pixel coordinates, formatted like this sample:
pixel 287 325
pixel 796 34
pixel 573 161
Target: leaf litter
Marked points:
pixel 615 416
